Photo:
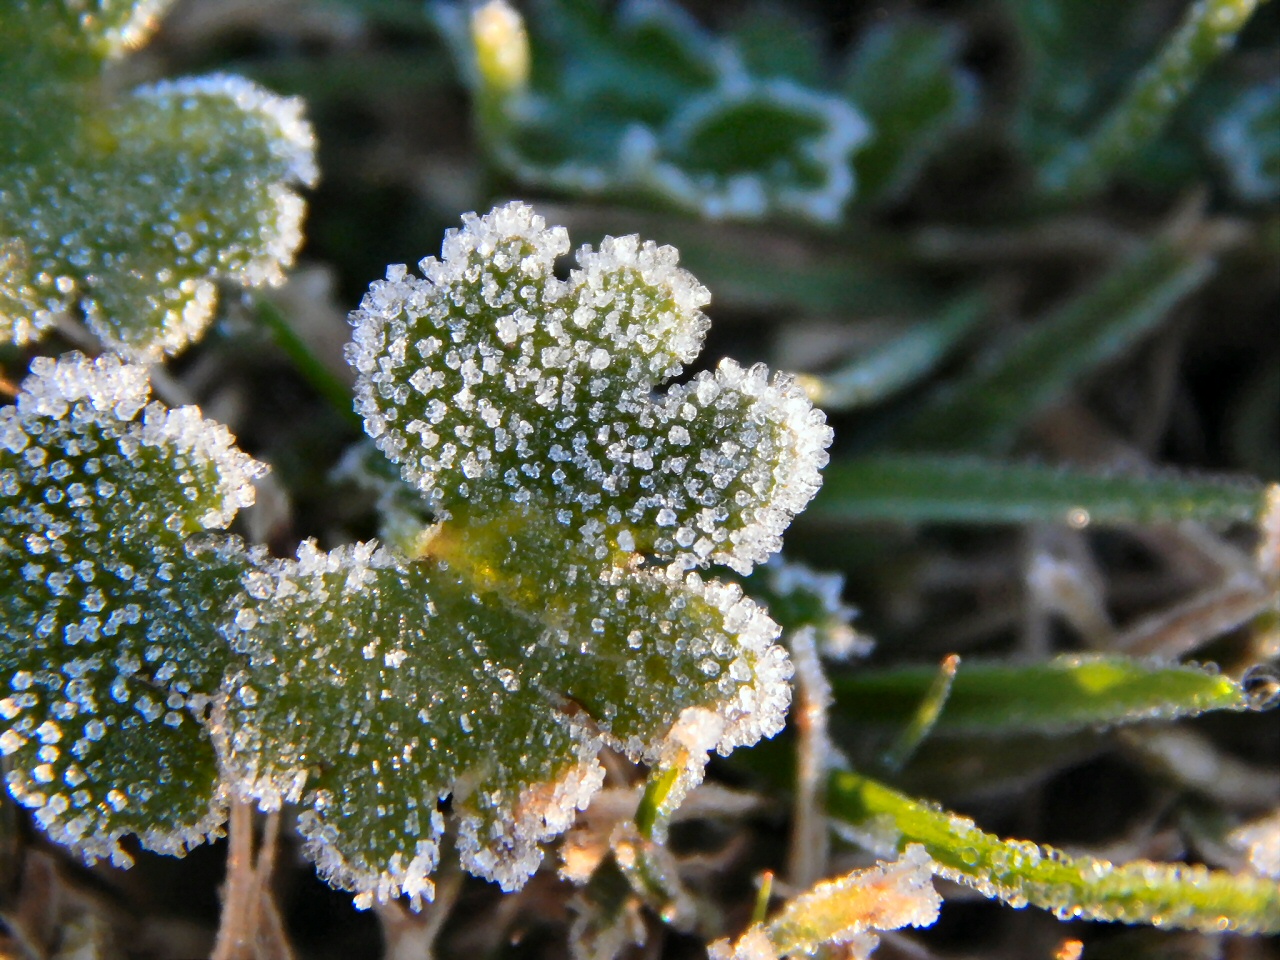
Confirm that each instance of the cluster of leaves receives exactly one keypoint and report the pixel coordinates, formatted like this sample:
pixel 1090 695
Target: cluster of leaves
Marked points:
pixel 547 590
pixel 643 100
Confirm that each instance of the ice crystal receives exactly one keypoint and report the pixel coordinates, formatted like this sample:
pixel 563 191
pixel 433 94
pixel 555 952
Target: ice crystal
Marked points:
pixel 494 384
pixel 114 583
pixel 129 208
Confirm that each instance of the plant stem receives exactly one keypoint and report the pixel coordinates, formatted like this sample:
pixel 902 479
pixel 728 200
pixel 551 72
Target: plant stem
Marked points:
pixel 234 930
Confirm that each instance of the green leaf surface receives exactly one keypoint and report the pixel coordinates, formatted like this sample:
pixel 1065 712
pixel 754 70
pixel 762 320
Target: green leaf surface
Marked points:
pixel 971 490
pixel 114 590
pixel 470 677
pixel 1060 696
pixel 1028 373
pixel 1178 896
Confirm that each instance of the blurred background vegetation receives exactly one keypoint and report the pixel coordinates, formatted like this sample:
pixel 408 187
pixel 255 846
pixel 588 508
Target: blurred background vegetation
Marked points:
pixel 1032 271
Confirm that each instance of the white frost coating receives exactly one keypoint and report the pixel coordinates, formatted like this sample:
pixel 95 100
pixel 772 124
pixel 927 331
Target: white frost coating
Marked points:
pixel 511 851
pixel 845 912
pixel 292 139
pixel 1260 840
pixel 136 245
pixel 109 569
pixel 835 637
pixel 492 370
pixel 107 389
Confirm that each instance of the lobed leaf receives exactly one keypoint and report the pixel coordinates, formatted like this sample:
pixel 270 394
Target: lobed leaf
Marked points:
pixel 464 674
pixel 1060 696
pixel 1019 872
pixel 928 489
pixel 113 588
pixel 453 368
pixel 128 209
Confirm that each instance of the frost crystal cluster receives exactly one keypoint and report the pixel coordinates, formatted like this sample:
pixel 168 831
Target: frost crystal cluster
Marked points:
pixel 125 209
pixel 554 609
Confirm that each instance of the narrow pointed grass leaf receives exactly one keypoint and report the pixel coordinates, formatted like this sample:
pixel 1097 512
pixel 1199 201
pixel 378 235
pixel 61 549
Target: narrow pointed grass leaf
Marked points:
pixel 897 364
pixel 929 489
pixel 114 586
pixel 1208 30
pixel 1173 895
pixel 1020 379
pixel 1060 696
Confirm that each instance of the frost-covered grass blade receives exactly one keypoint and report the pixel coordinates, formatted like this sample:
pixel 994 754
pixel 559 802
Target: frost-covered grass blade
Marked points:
pixel 1179 896
pixel 1059 696
pixel 928 489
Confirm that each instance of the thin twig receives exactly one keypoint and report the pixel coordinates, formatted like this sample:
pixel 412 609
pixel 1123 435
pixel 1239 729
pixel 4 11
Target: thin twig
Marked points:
pixel 234 934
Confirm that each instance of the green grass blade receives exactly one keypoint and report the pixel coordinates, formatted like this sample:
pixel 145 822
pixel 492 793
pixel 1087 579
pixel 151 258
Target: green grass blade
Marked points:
pixel 1208 30
pixel 1020 872
pixel 1061 696
pixel 900 362
pixel 987 407
pixel 970 490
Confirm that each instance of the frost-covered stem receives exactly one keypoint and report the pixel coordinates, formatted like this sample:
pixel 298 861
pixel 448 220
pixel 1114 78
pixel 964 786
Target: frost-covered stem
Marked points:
pixel 235 932
pixel 1172 895
pixel 807 857
pixel 1208 31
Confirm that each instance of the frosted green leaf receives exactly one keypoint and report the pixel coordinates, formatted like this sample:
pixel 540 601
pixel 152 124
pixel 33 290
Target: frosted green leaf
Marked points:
pixel 490 671
pixel 1246 140
pixel 493 383
pixel 114 586
pixel 644 101
pixel 128 209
